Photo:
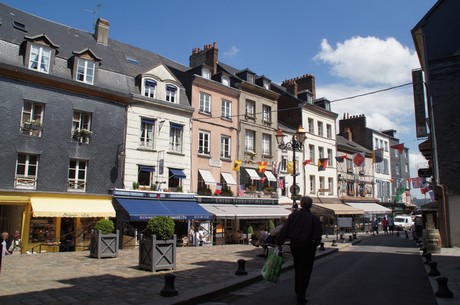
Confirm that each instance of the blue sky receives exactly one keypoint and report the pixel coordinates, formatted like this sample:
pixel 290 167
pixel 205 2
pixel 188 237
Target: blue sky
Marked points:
pixel 351 47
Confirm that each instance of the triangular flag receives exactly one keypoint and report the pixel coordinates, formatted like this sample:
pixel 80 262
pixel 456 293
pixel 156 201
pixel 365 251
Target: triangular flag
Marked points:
pixel 290 167
pixel 340 159
pixel 399 147
pixel 236 165
pixel 262 166
pixel 322 164
pixel 305 162
pixel 359 158
pixel 377 155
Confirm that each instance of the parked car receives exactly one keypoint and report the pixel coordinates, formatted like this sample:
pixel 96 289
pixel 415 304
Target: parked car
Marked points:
pixel 403 222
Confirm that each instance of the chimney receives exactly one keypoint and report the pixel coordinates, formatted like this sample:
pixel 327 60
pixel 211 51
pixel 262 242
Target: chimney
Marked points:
pixel 291 86
pixel 299 85
pixel 209 56
pixel 102 31
pixel 347 134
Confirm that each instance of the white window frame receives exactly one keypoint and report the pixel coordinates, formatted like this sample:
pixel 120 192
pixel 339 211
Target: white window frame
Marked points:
pixel 311 126
pixel 206 73
pixel 312 184
pixel 226 81
pixel 149 87
pixel 225 147
pixel 250 109
pixel 226 109
pixel 86 71
pixel 81 126
pixel 330 158
pixel 321 152
pixel 171 93
pixel 175 138
pixel 330 185
pixel 320 129
pixel 266 144
pixel 205 103
pixel 76 181
pixel 147 134
pixel 204 143
pixel 40 58
pixel 266 114
pixel 32 118
pixel 311 148
pixel 329 131
pixel 27 177
pixel 250 141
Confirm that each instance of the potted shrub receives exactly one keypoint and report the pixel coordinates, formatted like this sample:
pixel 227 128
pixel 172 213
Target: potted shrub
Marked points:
pixel 158 250
pixel 104 243
pixel 250 231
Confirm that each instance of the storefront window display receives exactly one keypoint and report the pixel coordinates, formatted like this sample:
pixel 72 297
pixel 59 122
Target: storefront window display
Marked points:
pixel 42 230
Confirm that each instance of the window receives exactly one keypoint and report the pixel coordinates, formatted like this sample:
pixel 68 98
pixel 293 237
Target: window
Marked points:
pixel 32 119
pixel 204 143
pixel 174 182
pixel 145 175
pixel 311 148
pixel 283 167
pixel 26 171
pixel 406 168
pixel 250 141
pixel 328 131
pixel 146 139
pixel 266 144
pixel 77 175
pixel 386 145
pixel 321 183
pixel 206 73
pixel 225 147
pixel 320 129
pixel 85 71
pixel 397 169
pixel 149 87
pixel 376 143
pixel 266 114
pixel 312 184
pixel 330 185
pixel 81 126
pixel 311 126
pixel 226 109
pixel 349 165
pixel 321 152
pixel 385 166
pixel 171 93
pixel 330 158
pixel 40 58
pixel 175 137
pixel 267 84
pixel 205 103
pixel 251 78
pixel 226 80
pixel 250 109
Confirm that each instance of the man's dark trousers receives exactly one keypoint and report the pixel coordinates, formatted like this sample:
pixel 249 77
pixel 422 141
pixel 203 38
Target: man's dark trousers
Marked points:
pixel 304 257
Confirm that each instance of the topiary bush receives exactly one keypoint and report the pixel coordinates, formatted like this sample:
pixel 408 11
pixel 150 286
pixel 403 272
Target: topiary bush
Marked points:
pixel 250 230
pixel 105 225
pixel 271 225
pixel 160 226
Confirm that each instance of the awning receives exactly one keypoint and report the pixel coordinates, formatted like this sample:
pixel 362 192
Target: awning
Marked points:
pixel 14 200
pixel 232 211
pixel 370 208
pixel 270 176
pixel 228 178
pixel 149 169
pixel 178 173
pixel 252 173
pixel 144 209
pixel 335 208
pixel 207 176
pixel 71 207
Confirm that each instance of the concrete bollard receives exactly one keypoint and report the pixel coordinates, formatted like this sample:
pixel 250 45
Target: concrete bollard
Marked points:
pixel 407 234
pixel 321 247
pixel 443 289
pixel 354 236
pixel 427 258
pixel 433 269
pixel 169 290
pixel 334 243
pixel 241 267
pixel 424 250
pixel 350 238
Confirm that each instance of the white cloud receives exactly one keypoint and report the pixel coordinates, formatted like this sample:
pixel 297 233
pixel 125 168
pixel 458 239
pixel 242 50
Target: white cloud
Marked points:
pixel 369 60
pixel 233 51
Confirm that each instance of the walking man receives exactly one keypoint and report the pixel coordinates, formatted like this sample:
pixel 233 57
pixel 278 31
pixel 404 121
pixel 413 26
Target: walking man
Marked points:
pixel 304 231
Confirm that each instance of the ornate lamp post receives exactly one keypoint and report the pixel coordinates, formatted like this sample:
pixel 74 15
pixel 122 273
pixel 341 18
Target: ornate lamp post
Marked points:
pixel 296 144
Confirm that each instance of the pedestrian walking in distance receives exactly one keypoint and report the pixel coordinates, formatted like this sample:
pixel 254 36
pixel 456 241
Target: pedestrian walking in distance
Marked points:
pixel 304 231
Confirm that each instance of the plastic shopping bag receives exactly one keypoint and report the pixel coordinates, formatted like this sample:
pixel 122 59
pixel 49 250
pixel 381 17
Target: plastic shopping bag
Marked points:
pixel 272 268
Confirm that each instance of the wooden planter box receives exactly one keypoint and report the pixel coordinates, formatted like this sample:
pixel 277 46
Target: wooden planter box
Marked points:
pixel 157 254
pixel 103 245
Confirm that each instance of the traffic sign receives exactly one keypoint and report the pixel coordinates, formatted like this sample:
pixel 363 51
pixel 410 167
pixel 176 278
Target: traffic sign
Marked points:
pixel 424 172
pixel 296 191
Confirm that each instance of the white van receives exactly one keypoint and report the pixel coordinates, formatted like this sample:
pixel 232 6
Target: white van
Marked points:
pixel 403 222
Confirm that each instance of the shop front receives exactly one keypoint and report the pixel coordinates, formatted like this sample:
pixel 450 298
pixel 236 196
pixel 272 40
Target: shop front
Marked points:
pixel 371 210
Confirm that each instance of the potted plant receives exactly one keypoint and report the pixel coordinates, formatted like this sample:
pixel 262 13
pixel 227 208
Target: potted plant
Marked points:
pixel 250 231
pixel 158 250
pixel 104 243
pixel 135 185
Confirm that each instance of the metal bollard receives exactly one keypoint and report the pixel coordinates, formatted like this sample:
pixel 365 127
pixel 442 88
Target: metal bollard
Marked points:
pixel 407 234
pixel 241 267
pixel 434 269
pixel 350 238
pixel 443 289
pixel 427 258
pixel 334 244
pixel 354 236
pixel 169 290
pixel 321 247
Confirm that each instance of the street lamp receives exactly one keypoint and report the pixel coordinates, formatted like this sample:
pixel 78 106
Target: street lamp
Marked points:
pixel 296 144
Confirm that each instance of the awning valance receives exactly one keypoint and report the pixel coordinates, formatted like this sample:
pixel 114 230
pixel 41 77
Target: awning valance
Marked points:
pixel 270 176
pixel 232 211
pixel 144 209
pixel 252 173
pixel 228 178
pixel 335 208
pixel 14 200
pixel 207 176
pixel 370 208
pixel 178 173
pixel 71 207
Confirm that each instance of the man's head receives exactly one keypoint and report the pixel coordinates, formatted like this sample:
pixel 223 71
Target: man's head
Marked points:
pixel 306 202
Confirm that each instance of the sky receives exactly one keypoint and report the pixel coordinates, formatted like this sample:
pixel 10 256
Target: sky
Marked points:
pixel 352 47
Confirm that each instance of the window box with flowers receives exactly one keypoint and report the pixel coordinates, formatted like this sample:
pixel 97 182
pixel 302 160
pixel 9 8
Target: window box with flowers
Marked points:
pixel 33 125
pixel 268 190
pixel 82 134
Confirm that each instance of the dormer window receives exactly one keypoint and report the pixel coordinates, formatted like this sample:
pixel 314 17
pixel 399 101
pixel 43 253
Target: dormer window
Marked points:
pixel 171 93
pixel 267 84
pixel 206 73
pixel 149 88
pixel 40 58
pixel 85 71
pixel 226 80
pixel 251 78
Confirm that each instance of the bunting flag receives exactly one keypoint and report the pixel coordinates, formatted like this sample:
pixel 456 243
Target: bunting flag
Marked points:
pixel 262 179
pixel 340 159
pixel 425 190
pixel 359 158
pixel 399 147
pixel 281 184
pixel 401 189
pixel 322 164
pixel 274 166
pixel 262 167
pixel 431 193
pixel 418 182
pixel 305 162
pixel 377 155
pixel 236 165
pixel 290 167
pixel 218 189
pixel 241 190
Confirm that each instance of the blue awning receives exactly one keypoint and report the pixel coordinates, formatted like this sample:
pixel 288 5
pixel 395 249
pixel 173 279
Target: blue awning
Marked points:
pixel 178 173
pixel 144 209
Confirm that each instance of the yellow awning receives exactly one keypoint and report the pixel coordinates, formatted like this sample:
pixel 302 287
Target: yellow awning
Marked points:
pixel 71 207
pixel 14 199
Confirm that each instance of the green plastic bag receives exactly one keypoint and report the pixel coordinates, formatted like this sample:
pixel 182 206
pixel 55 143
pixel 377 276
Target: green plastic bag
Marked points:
pixel 272 267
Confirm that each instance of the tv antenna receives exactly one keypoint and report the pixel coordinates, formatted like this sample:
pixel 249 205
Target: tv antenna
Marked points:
pixel 94 12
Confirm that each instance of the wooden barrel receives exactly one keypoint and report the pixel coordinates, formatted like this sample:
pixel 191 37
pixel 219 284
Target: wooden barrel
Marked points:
pixel 431 240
